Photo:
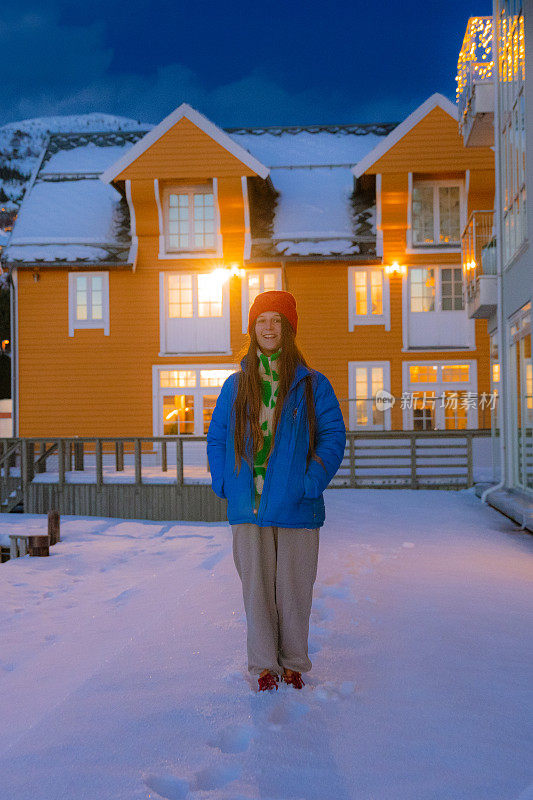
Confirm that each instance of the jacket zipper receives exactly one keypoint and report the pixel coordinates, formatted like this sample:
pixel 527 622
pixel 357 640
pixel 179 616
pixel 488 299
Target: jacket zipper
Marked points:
pixel 268 474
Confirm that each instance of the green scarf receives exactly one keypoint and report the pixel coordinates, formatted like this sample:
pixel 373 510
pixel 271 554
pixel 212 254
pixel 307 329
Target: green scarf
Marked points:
pixel 269 395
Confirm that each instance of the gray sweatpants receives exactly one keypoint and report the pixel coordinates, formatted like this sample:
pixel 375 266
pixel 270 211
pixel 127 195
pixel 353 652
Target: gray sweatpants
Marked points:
pixel 277 568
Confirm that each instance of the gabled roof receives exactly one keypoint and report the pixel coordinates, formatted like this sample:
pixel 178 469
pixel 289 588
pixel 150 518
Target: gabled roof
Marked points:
pixel 403 128
pixel 205 125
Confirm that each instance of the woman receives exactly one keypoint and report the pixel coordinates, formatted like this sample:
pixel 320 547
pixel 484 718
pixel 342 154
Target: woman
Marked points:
pixel 275 441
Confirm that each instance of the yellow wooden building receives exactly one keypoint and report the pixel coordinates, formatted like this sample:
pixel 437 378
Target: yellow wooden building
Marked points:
pixel 135 257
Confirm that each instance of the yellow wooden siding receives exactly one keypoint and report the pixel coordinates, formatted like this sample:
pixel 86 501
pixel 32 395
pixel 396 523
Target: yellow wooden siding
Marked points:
pixel 184 152
pixel 432 144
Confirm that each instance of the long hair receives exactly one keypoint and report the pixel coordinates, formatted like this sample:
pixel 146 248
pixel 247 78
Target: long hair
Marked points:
pixel 248 434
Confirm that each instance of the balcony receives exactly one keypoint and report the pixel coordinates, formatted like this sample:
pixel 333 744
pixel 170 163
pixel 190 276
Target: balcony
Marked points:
pixel 478 246
pixel 475 88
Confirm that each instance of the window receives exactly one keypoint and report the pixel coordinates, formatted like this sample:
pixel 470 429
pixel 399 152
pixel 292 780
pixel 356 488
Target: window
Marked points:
pixel 436 289
pixel 88 301
pixel 451 285
pixel 255 282
pixel 194 313
pixel 436 213
pixel 365 380
pixel 189 219
pixel 186 398
pixel 368 298
pixel 439 395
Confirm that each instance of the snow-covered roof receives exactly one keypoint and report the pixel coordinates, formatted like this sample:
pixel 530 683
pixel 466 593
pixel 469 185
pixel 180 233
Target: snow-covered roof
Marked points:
pixel 316 211
pixel 68 214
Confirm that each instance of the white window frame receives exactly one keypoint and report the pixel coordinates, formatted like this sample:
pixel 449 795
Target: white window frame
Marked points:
pixel 438 247
pixel 368 318
pixel 244 290
pixel 438 387
pixel 161 197
pixel 163 313
pixel 92 324
pixel 197 391
pixel 438 288
pixel 352 411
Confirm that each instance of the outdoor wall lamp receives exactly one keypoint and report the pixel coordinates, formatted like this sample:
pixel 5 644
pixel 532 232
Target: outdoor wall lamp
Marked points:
pixel 395 268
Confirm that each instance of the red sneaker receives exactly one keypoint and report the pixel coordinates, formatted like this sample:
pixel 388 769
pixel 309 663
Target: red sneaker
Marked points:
pixel 293 679
pixel 268 682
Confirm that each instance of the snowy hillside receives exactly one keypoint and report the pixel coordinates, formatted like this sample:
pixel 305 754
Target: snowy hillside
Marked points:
pixel 21 143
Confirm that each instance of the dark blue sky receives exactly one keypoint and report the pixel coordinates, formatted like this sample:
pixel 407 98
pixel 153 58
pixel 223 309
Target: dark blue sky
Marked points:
pixel 239 63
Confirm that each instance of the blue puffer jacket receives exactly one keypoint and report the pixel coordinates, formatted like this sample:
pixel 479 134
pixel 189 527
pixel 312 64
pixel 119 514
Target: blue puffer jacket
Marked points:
pixel 292 495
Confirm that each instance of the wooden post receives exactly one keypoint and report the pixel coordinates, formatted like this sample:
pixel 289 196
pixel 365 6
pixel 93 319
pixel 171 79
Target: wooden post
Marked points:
pixel 13 548
pixel 40 467
pixel 39 545
pixel 179 461
pixel 28 457
pixel 119 456
pixel 414 480
pixel 138 461
pixel 163 456
pixel 469 461
pixel 53 526
pixel 98 456
pixel 78 456
pixel 61 463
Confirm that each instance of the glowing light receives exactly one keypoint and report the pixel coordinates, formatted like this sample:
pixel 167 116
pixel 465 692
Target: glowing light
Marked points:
pixel 393 268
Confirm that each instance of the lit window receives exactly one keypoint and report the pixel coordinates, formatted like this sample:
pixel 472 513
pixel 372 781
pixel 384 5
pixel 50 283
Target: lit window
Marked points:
pixel 436 213
pixel 209 296
pixel 422 282
pixel 423 374
pixel 365 381
pixel 214 377
pixel 190 220
pixel 456 372
pixel 495 373
pixel 366 292
pixel 180 296
pixel 178 414
pixel 177 378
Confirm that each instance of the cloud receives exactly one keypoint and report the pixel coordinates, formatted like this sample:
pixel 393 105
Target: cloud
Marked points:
pixel 52 68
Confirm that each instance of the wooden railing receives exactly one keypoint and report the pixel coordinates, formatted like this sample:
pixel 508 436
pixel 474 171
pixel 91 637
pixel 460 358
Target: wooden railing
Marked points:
pixel 408 459
pixel 373 459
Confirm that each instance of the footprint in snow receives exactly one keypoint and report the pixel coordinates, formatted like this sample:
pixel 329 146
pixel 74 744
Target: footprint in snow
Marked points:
pixel 285 713
pixel 167 786
pixel 122 598
pixel 212 560
pixel 329 691
pixel 319 611
pixel 216 777
pixel 233 739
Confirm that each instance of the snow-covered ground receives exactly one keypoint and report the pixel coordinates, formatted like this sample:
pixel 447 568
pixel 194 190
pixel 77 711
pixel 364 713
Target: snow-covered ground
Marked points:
pixel 123 676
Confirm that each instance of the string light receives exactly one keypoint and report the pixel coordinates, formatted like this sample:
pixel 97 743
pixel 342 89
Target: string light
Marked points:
pixel 475 62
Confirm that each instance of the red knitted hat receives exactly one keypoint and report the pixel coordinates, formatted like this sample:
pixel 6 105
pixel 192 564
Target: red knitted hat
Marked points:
pixel 281 302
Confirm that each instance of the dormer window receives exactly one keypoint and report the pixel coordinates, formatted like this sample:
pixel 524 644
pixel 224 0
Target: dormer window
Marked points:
pixel 190 220
pixel 436 214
